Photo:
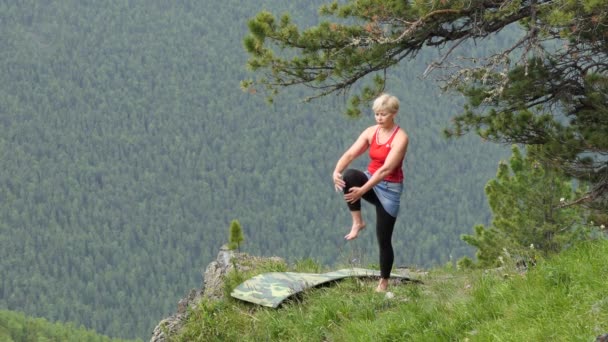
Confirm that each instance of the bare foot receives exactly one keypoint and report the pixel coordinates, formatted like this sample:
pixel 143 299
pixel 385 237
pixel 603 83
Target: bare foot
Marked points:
pixel 354 231
pixel 382 285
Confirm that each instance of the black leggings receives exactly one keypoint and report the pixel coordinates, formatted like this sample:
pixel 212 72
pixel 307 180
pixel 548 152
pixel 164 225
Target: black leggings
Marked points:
pixel 384 221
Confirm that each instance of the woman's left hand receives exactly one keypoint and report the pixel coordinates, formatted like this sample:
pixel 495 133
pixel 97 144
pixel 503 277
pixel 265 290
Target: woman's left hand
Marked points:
pixel 353 195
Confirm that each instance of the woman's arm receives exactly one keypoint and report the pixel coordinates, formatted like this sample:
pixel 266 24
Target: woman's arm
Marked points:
pixel 360 146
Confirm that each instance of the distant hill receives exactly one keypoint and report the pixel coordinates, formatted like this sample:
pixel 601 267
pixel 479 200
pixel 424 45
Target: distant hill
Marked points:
pixel 127 148
pixel 17 327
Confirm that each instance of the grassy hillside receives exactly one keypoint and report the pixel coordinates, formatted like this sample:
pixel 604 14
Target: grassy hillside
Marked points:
pixel 561 299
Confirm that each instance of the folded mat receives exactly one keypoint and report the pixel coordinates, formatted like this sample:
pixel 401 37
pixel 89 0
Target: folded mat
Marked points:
pixel 271 289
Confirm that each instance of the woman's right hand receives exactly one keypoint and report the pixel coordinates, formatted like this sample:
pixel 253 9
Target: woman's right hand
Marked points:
pixel 339 183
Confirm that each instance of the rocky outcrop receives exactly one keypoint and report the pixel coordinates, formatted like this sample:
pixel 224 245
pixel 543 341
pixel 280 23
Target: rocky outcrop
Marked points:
pixel 212 288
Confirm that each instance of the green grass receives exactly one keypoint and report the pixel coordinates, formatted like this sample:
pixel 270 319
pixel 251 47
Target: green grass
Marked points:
pixel 564 298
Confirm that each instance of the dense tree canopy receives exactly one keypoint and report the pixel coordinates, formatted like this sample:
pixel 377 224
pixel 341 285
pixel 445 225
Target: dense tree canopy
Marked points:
pixel 127 148
pixel 547 88
pixel 17 327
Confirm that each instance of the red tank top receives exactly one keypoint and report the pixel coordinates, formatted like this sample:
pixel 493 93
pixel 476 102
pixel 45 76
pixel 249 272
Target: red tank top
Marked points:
pixel 378 154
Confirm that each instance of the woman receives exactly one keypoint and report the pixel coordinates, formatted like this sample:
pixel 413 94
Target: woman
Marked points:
pixel 381 184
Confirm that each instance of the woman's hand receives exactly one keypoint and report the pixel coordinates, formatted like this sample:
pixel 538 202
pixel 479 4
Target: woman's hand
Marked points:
pixel 353 194
pixel 339 183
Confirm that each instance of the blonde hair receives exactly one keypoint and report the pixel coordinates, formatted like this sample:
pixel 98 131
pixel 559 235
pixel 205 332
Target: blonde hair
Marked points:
pixel 386 102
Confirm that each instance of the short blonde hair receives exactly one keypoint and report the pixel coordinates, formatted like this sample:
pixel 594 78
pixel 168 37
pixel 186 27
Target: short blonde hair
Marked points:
pixel 386 102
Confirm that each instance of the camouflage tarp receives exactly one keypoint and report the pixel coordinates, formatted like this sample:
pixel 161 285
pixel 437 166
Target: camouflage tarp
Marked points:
pixel 270 289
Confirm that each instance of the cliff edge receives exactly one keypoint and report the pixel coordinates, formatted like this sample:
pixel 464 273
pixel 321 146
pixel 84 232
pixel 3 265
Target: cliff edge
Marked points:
pixel 212 288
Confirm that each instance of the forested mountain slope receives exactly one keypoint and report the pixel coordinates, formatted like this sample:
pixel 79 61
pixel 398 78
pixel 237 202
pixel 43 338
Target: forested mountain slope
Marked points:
pixel 17 327
pixel 127 148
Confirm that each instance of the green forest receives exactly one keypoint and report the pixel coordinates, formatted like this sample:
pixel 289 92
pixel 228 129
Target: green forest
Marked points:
pixel 127 148
pixel 17 327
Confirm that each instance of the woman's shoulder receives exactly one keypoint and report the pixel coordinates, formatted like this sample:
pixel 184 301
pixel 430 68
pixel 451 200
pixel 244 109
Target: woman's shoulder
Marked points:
pixel 402 135
pixel 370 131
pixel 401 131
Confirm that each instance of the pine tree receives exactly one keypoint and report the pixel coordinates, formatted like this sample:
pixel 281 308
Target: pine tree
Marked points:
pixel 548 88
pixel 527 219
pixel 236 235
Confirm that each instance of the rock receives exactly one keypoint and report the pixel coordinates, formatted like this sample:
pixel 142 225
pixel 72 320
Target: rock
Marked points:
pixel 212 288
pixel 216 271
pixel 213 276
pixel 169 326
pixel 192 299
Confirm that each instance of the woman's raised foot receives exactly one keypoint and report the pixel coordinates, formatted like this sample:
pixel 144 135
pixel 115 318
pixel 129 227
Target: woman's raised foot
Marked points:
pixel 354 231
